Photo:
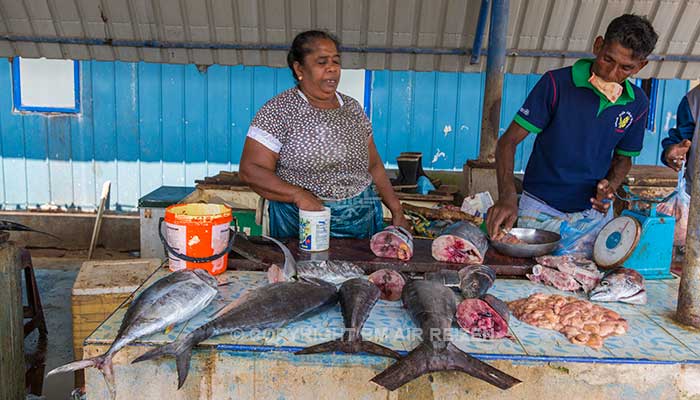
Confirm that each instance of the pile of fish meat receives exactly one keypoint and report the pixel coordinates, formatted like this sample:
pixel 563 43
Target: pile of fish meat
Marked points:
pixel 462 243
pixel 568 272
pixel 581 321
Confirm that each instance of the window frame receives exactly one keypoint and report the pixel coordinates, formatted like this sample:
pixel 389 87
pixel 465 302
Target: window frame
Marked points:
pixel 17 91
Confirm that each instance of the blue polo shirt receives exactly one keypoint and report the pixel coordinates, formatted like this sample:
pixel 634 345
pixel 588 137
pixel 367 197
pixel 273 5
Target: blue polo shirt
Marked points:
pixel 578 129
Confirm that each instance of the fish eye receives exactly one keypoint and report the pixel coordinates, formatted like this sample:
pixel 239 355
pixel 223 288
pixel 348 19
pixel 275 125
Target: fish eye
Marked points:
pixel 604 283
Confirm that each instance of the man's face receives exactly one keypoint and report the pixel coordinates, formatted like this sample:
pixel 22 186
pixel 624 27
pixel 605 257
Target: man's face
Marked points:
pixel 613 62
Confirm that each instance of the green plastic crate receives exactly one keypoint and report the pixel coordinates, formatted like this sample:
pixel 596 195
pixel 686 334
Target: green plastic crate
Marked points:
pixel 245 219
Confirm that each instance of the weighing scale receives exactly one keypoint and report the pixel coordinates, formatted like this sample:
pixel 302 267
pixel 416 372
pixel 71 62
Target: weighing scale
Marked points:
pixel 640 239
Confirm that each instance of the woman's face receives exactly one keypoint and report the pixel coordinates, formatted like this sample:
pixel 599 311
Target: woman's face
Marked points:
pixel 320 73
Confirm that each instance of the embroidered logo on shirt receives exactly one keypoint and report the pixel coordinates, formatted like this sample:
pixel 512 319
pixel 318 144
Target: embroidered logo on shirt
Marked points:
pixel 525 111
pixel 623 120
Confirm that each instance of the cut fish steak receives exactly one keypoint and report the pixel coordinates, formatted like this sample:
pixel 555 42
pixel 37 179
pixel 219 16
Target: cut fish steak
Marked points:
pixel 392 242
pixel 389 282
pixel 485 318
pixel 462 243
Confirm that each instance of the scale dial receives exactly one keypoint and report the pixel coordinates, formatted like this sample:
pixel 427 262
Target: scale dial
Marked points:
pixel 616 241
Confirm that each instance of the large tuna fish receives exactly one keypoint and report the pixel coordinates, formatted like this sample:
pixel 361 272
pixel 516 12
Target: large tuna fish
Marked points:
pixel 172 299
pixel 270 306
pixel 335 272
pixel 462 243
pixel 432 307
pixel 621 284
pixel 357 298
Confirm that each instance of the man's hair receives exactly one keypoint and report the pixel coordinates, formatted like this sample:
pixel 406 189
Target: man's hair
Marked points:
pixel 632 32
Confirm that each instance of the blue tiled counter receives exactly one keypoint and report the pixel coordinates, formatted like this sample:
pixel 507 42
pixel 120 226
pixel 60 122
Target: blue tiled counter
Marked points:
pixel 655 359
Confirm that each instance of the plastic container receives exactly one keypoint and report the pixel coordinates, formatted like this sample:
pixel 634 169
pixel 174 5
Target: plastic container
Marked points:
pixel 198 236
pixel 314 229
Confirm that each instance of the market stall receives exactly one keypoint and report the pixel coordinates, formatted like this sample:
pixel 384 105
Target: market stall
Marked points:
pixel 655 358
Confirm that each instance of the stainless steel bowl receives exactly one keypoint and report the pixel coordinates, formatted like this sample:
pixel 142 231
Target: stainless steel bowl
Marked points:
pixel 537 243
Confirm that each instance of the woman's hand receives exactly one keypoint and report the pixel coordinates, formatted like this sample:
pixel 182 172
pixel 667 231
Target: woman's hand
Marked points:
pixel 398 219
pixel 306 201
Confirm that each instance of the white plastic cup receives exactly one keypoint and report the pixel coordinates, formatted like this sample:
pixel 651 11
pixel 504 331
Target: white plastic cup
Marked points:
pixel 314 229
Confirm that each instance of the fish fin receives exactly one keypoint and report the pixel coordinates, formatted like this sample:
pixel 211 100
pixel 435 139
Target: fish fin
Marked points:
pixel 168 329
pixel 180 349
pixel 327 347
pixel 377 349
pixel 424 359
pixel 230 306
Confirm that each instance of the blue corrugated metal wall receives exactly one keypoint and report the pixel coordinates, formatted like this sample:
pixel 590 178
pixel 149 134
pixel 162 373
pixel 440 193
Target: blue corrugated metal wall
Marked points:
pixel 145 125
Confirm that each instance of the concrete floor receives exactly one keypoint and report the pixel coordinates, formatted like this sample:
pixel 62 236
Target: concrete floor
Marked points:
pixel 55 271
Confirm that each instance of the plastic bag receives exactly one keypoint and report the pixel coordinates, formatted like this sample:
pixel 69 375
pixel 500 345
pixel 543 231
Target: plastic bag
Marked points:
pixel 678 206
pixel 578 236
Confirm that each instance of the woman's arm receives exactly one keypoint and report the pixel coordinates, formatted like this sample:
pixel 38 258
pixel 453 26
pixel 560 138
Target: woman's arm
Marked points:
pixel 257 170
pixel 386 191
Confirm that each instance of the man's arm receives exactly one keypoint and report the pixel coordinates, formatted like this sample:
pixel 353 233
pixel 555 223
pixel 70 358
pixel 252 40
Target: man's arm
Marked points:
pixel 678 142
pixel 619 168
pixel 505 211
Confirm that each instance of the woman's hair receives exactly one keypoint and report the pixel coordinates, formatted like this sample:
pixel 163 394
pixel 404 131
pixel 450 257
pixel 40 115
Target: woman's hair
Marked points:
pixel 303 45
pixel 632 32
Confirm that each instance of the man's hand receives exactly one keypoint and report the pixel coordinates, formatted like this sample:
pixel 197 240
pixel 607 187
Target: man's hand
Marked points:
pixel 603 197
pixel 306 201
pixel 504 213
pixel 676 154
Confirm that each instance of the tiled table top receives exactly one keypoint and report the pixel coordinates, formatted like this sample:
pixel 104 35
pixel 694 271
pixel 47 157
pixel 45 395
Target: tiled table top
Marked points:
pixel 653 337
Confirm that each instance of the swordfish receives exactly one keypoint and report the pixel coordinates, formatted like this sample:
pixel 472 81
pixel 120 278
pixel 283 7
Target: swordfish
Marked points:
pixel 432 307
pixel 270 306
pixel 357 298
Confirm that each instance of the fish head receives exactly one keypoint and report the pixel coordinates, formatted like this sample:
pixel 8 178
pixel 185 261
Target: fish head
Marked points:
pixel 621 284
pixel 206 277
pixel 475 280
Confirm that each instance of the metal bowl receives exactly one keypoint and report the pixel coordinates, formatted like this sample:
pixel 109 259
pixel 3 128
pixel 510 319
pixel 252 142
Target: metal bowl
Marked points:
pixel 538 243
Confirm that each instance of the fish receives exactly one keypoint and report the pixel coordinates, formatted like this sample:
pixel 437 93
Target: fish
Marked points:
pixel 462 243
pixel 357 298
pixel 448 278
pixel 172 299
pixel 432 307
pixel 476 280
pixel 621 284
pixel 392 242
pixel 335 272
pixel 14 226
pixel 270 306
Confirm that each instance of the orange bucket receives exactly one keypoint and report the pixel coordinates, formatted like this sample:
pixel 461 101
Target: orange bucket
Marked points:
pixel 198 236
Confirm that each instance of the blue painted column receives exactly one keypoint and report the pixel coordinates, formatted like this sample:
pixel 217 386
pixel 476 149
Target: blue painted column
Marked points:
pixel 495 69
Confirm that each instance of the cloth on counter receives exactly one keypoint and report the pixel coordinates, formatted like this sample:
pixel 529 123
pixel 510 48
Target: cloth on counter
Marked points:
pixel 358 217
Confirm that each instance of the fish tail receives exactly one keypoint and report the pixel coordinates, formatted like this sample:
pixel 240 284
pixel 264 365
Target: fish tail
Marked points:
pixel 424 359
pixel 103 363
pixel 345 346
pixel 327 347
pixel 377 349
pixel 180 349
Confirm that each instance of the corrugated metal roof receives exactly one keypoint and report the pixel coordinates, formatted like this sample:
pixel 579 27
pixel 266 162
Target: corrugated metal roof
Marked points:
pixel 188 31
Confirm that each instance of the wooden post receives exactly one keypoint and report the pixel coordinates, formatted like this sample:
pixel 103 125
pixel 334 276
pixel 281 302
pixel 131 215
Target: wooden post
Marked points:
pixel 11 328
pixel 688 308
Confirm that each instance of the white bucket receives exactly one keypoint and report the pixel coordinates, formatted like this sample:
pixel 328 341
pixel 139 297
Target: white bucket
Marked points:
pixel 314 229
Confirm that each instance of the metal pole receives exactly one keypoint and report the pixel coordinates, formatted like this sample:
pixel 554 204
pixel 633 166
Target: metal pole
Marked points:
pixel 495 69
pixel 11 326
pixel 479 35
pixel 688 311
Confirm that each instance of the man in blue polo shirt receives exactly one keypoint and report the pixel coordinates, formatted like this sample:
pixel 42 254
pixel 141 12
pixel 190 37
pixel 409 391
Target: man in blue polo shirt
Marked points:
pixel 679 143
pixel 589 122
